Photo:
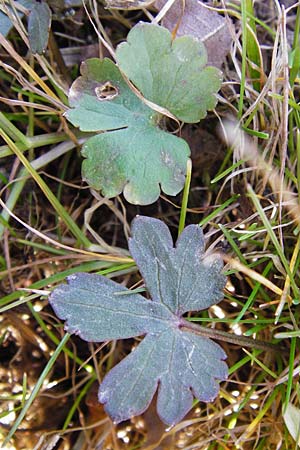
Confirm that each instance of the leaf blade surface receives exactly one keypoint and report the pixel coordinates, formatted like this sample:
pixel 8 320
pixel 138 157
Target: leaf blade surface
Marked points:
pixel 177 362
pixel 174 73
pixel 95 309
pixel 39 22
pixel 181 277
pixel 135 156
pixel 174 360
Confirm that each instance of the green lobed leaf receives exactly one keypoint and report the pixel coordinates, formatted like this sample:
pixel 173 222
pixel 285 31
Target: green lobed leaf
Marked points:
pixel 135 156
pixel 179 363
pixel 170 73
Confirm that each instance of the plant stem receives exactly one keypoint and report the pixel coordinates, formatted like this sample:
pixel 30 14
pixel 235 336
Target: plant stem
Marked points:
pixel 227 337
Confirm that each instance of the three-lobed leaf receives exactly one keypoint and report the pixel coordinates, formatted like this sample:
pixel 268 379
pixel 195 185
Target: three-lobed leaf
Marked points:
pixel 180 364
pixel 133 154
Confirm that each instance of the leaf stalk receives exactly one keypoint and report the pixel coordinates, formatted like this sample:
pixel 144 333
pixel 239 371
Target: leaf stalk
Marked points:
pixel 227 337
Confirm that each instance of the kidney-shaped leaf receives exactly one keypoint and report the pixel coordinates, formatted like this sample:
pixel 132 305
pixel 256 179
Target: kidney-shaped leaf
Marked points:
pixel 171 74
pixel 181 364
pixel 135 156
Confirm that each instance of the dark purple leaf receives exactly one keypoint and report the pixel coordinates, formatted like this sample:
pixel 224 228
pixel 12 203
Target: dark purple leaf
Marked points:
pixel 179 363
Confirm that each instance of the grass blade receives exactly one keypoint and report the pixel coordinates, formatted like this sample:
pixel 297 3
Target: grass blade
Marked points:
pixel 37 387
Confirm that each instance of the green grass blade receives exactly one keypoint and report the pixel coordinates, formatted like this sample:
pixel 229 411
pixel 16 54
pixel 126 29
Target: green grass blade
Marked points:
pixel 82 393
pixel 253 294
pixel 244 59
pixel 294 71
pixel 55 340
pixel 227 171
pixel 17 187
pixel 72 226
pixel 291 373
pixel 274 239
pixel 218 210
pixel 253 50
pixel 37 388
pixel 185 197
pixel 233 244
pixel 13 131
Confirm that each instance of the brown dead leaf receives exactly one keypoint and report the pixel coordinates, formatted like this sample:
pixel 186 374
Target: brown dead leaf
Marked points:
pixel 194 19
